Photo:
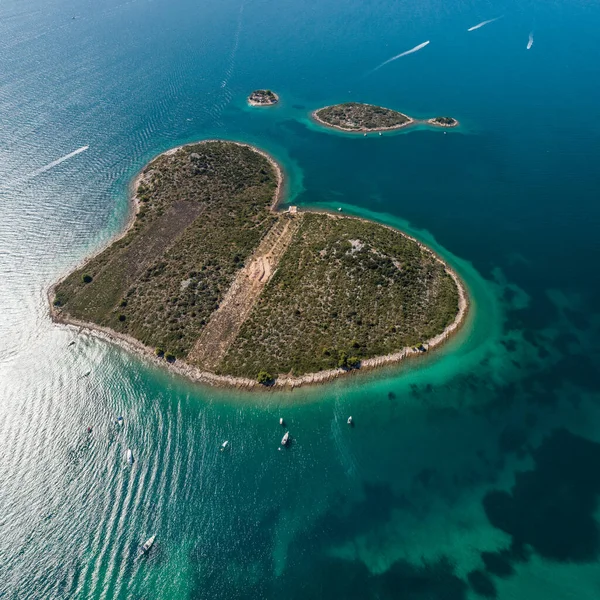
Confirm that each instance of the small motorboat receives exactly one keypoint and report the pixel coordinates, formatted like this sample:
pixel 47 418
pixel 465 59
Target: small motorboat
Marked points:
pixel 285 439
pixel 120 421
pixel 380 133
pixel 129 456
pixel 224 445
pixel 350 421
pixel 148 544
pixel 71 344
pixel 89 430
pixel 281 422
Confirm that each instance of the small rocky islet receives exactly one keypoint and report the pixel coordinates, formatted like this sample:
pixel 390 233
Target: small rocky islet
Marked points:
pixel 263 98
pixel 443 121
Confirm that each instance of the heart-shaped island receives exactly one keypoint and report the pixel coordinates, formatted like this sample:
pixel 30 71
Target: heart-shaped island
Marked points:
pixel 212 280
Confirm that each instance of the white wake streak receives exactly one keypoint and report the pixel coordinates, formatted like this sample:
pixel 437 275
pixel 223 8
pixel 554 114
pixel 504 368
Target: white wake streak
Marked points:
pixel 530 42
pixel 411 51
pixel 483 24
pixel 54 163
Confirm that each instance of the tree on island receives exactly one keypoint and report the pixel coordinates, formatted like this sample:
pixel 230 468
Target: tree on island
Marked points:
pixel 348 362
pixel 265 378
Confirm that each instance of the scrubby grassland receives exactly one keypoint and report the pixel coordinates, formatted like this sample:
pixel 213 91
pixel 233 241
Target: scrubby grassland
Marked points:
pixel 361 117
pixel 345 290
pixel 203 210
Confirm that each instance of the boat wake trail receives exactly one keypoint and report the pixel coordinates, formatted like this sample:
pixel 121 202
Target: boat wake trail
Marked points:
pixel 530 42
pixel 225 94
pixel 234 48
pixel 54 163
pixel 483 24
pixel 411 51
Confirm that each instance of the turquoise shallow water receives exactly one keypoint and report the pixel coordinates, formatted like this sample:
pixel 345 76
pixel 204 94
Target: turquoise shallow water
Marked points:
pixel 471 473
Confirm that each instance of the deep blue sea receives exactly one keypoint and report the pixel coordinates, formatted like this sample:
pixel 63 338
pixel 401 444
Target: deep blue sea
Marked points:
pixel 472 473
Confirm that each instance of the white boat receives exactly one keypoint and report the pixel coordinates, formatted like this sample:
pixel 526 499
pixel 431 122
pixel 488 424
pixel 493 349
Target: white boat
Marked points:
pixel 148 544
pixel 285 439
pixel 120 421
pixel 129 456
pixel 281 422
pixel 224 445
pixel 350 421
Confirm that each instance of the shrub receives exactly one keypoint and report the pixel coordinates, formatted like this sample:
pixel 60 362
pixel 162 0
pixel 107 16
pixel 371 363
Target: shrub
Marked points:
pixel 353 362
pixel 169 357
pixel 159 352
pixel 59 300
pixel 265 378
pixel 122 318
pixel 86 278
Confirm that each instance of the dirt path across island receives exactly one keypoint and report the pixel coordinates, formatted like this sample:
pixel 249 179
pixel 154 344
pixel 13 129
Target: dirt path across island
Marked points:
pixel 226 322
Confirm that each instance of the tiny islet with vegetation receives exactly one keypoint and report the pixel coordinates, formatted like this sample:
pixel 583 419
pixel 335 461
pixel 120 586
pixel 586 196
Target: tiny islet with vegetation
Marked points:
pixel 210 274
pixel 263 98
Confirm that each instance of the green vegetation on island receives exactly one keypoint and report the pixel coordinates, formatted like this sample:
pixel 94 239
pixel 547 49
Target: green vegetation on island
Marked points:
pixel 345 290
pixel 354 116
pixel 202 211
pixel 263 98
pixel 209 274
pixel 443 121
